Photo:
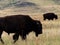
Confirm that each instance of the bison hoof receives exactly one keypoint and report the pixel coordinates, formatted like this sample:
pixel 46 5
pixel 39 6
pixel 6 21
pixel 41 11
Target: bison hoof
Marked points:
pixel 2 41
pixel 24 37
pixel 36 35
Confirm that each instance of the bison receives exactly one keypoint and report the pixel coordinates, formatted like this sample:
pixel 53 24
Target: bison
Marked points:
pixel 50 16
pixel 20 25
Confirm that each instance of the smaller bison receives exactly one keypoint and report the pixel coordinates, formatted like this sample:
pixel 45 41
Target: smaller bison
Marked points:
pixel 50 16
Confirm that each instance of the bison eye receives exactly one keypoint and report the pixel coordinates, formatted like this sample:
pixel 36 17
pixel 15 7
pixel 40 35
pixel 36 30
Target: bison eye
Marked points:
pixel 37 23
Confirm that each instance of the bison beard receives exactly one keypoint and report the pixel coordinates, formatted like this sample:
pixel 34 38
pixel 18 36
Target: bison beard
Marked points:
pixel 20 25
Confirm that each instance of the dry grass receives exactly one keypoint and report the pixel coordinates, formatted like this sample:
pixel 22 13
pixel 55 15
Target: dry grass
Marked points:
pixel 50 35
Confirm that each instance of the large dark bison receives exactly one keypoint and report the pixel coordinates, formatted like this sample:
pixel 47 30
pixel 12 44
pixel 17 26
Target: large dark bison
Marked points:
pixel 20 25
pixel 50 16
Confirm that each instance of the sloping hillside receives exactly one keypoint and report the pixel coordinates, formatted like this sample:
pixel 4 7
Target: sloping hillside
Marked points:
pixel 33 6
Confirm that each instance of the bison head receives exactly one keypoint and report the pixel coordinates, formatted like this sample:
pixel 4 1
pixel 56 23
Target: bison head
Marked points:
pixel 37 28
pixel 56 17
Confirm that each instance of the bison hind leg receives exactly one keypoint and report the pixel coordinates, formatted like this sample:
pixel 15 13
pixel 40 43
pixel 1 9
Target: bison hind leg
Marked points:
pixel 0 37
pixel 15 37
pixel 1 40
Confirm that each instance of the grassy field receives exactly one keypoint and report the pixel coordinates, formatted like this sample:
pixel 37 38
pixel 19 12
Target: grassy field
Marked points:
pixel 50 35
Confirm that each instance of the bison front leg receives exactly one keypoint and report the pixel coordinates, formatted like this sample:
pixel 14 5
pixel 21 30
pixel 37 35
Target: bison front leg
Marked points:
pixel 0 36
pixel 23 36
pixel 36 35
pixel 15 37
